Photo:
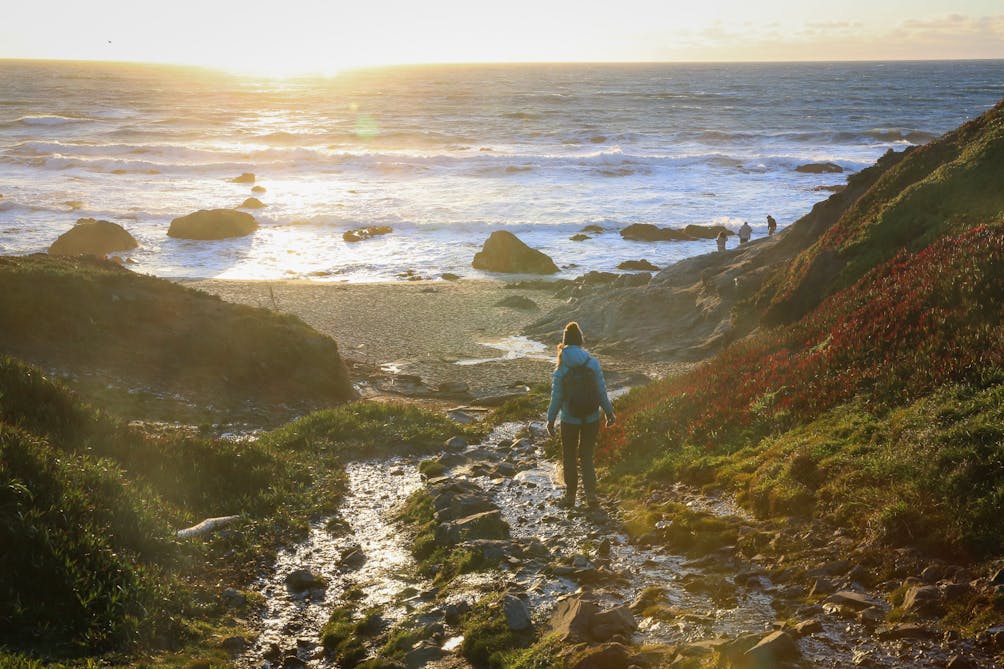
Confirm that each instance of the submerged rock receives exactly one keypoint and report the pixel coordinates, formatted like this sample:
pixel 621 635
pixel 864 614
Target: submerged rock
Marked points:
pixel 246 178
pixel 820 168
pixel 359 234
pixel 93 237
pixel 504 252
pixel 213 224
pixel 252 203
pixel 638 265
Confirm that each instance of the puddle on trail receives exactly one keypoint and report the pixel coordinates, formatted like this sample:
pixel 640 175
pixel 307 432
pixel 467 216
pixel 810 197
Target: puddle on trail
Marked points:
pixel 374 489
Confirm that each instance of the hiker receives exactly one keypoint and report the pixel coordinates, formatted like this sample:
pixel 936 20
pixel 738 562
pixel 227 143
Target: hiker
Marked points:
pixel 721 239
pixel 744 232
pixel 771 225
pixel 579 392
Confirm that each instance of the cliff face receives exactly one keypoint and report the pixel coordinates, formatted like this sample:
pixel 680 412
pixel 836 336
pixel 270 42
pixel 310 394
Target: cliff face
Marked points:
pixel 905 201
pixel 87 317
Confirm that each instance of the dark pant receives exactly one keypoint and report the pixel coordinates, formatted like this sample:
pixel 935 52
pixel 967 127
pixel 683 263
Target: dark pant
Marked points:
pixel 578 442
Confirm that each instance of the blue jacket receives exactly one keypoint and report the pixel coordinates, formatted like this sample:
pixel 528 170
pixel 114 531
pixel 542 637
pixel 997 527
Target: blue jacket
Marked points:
pixel 573 356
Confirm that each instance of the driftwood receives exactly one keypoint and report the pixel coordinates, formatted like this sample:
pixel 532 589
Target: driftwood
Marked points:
pixel 206 526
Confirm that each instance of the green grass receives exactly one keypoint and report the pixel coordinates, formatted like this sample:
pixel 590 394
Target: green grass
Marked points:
pixel 488 641
pixel 89 564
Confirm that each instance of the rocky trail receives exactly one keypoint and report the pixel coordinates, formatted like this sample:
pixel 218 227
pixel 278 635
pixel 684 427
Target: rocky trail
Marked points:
pixel 577 573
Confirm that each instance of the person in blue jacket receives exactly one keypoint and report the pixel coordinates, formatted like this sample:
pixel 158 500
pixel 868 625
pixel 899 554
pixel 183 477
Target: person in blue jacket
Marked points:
pixel 578 435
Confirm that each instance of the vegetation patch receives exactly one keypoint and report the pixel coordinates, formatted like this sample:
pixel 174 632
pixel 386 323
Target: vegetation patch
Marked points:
pixel 488 641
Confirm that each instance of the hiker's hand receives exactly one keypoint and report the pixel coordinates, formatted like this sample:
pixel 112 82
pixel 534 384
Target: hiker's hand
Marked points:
pixel 550 427
pixel 611 419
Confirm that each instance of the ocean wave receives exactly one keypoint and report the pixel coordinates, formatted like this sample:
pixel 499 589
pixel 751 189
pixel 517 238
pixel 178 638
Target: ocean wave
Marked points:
pixel 49 120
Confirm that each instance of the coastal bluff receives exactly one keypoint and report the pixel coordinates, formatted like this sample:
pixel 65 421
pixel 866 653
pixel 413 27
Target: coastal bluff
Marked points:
pixel 88 318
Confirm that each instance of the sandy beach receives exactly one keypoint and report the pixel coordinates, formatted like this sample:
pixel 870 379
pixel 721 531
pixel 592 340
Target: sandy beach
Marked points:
pixel 440 332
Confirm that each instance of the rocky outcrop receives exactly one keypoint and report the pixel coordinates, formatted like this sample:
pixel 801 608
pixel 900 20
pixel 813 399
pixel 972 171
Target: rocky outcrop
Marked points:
pixel 504 252
pixel 706 231
pixel 360 234
pixel 646 232
pixel 213 224
pixel 93 237
pixel 246 178
pixel 820 168
pixel 637 265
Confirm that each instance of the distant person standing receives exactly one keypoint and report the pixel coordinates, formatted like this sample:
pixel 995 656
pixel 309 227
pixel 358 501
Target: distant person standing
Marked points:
pixel 579 392
pixel 771 225
pixel 745 232
pixel 721 239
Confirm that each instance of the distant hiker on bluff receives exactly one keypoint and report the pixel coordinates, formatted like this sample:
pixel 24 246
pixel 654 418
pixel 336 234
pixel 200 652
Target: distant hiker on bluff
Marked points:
pixel 745 232
pixel 579 392
pixel 771 225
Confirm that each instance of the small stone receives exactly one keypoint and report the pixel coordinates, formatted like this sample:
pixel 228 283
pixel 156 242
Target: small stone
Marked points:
pixel 517 614
pixel 924 599
pixel 853 600
pixel 905 631
pixel 960 662
pixel 302 580
pixel 806 627
pixel 774 649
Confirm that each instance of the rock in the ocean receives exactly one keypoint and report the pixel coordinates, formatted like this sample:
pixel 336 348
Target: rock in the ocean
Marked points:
pixel 360 234
pixel 246 178
pixel 579 237
pixel 93 237
pixel 638 265
pixel 820 168
pixel 504 252
pixel 213 224
pixel 252 203
pixel 646 232
pixel 258 189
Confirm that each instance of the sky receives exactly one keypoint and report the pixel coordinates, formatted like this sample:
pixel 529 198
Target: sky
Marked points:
pixel 325 36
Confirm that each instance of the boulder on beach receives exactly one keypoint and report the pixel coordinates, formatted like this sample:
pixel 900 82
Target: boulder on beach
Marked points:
pixel 93 237
pixel 246 178
pixel 646 232
pixel 820 168
pixel 213 224
pixel 360 234
pixel 504 252
pixel 638 265
pixel 252 203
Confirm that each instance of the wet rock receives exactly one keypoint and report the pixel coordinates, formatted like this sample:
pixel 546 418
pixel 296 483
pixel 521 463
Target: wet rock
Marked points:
pixel 571 618
pixel 617 621
pixel 518 302
pixel 258 189
pixel 807 627
pixel 353 559
pixel 605 656
pixel 486 525
pixel 213 224
pixel 302 580
pixel 454 388
pixel 90 236
pixel 961 662
pixel 252 203
pixel 517 614
pixel 293 662
pixel 450 276
pixel 820 168
pixel 923 599
pixel 646 232
pixel 905 631
pixel 579 237
pixel 593 229
pixel 456 443
pixel 422 654
pixel 706 231
pixel 871 616
pixel 453 612
pixel 504 252
pixel 504 470
pixel 245 178
pixel 462 506
pixel 774 649
pixel 490 550
pixel 853 600
pixel 637 265
pixel 360 234
pixel 450 460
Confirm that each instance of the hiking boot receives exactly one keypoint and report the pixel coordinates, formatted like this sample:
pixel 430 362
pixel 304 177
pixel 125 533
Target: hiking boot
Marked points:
pixel 592 502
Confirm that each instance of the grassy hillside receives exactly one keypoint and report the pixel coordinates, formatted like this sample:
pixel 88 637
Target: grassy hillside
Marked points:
pixel 949 185
pixel 101 324
pixel 89 561
pixel 879 409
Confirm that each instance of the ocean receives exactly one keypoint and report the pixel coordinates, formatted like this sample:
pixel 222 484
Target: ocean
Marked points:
pixel 447 154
